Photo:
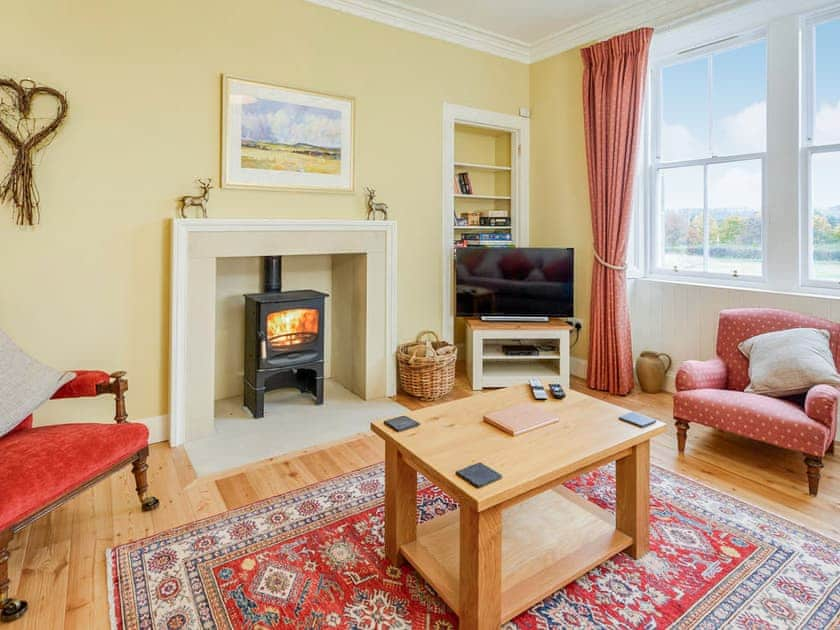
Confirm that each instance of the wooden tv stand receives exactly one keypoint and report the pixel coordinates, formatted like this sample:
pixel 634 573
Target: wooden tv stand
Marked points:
pixel 488 366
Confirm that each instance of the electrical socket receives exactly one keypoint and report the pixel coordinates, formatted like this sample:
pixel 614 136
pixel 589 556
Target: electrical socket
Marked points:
pixel 576 322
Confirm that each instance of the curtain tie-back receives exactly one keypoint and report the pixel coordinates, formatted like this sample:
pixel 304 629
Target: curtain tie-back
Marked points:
pixel 606 264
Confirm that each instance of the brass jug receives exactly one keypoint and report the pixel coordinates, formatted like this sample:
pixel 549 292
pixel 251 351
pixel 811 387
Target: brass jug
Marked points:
pixel 650 369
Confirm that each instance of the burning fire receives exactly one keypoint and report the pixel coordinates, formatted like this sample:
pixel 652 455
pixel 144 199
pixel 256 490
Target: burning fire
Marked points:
pixel 291 327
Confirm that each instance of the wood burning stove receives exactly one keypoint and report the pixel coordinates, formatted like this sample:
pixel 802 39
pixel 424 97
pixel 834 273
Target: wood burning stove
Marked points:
pixel 284 340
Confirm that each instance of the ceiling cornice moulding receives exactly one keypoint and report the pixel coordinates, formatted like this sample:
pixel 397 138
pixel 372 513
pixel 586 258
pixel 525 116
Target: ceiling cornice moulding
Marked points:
pixel 425 23
pixel 656 13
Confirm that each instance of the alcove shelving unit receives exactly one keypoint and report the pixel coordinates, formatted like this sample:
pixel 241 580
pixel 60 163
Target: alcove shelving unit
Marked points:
pixel 484 155
pixel 492 149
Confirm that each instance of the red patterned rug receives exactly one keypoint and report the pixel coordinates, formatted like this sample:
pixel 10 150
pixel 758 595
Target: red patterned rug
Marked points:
pixel 313 559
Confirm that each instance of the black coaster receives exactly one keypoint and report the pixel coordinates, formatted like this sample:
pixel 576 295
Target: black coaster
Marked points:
pixel 401 423
pixel 478 475
pixel 637 419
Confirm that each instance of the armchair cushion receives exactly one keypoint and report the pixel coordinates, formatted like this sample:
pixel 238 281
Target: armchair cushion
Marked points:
pixel 709 374
pixel 39 466
pixel 772 420
pixel 739 324
pixel 789 362
pixel 24 384
pixel 84 384
pixel 821 404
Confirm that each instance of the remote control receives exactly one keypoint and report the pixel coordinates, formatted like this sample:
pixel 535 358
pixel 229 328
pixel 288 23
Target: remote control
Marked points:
pixel 557 390
pixel 537 389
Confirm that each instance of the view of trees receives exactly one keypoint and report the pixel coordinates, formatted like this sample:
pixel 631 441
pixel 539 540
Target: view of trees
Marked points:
pixel 736 234
pixel 732 233
pixel 827 235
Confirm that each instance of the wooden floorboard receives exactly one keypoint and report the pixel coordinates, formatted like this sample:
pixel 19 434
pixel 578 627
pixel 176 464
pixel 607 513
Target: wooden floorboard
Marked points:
pixel 58 563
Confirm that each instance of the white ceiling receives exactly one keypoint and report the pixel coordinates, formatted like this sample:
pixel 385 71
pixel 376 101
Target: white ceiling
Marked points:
pixel 525 20
pixel 526 30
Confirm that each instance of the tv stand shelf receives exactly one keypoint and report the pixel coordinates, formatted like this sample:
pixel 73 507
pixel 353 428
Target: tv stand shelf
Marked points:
pixel 489 366
pixel 493 351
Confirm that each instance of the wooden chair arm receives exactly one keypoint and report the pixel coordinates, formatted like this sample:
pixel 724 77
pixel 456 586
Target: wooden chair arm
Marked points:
pixel 117 386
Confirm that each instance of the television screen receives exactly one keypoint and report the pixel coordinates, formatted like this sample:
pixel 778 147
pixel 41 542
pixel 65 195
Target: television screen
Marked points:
pixel 521 281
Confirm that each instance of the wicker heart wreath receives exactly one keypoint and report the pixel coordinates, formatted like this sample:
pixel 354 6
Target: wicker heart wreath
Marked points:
pixel 26 134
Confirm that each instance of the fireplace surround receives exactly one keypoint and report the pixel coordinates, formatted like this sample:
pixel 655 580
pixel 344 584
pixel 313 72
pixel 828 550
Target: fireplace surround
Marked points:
pixel 284 340
pixel 364 287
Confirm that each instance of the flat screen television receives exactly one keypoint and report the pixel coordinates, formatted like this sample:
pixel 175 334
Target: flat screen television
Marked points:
pixel 514 282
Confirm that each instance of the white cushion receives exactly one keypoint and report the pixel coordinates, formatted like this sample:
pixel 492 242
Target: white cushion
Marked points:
pixel 24 384
pixel 788 362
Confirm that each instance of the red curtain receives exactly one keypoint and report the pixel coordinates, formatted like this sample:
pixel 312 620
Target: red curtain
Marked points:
pixel 613 93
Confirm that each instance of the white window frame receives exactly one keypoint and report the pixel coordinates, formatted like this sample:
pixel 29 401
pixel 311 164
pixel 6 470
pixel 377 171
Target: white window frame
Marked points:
pixel 635 262
pixel 655 165
pixel 809 149
pixel 786 204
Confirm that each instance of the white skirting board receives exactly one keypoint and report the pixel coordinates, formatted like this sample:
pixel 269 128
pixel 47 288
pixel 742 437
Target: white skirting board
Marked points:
pixel 158 427
pixel 578 366
pixel 670 385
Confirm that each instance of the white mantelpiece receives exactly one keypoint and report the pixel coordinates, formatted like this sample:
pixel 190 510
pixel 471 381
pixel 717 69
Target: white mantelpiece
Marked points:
pixel 197 243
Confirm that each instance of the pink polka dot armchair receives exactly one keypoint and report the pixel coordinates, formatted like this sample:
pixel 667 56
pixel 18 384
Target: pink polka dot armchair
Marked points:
pixel 712 392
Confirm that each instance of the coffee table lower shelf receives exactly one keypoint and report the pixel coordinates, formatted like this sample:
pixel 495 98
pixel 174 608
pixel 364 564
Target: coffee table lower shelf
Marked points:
pixel 548 541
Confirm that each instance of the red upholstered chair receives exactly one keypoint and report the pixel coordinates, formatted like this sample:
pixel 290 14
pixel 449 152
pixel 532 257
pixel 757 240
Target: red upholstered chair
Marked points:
pixel 43 467
pixel 712 392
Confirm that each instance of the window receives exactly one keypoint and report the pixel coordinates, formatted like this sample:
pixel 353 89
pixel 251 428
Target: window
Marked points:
pixel 822 152
pixel 741 181
pixel 710 128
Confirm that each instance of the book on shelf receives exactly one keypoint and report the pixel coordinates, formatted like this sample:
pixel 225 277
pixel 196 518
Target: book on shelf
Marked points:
pixel 471 218
pixel 488 236
pixel 494 239
pixel 464 183
pixel 493 244
pixel 495 221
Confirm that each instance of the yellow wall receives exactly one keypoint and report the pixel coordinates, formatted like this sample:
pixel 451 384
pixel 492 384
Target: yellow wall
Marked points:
pixel 89 287
pixel 559 193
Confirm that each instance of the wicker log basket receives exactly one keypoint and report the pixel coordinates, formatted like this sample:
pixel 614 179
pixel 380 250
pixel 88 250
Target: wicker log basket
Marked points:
pixel 427 366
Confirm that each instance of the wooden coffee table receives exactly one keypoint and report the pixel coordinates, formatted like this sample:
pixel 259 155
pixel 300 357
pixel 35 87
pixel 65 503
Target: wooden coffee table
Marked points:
pixel 519 539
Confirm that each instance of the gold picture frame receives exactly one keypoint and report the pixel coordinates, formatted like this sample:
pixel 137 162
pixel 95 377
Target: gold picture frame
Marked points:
pixel 282 138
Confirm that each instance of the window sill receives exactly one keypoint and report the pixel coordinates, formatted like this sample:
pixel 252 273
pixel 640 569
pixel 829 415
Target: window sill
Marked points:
pixel 753 287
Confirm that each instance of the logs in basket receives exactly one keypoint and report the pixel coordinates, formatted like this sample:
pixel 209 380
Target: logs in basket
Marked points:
pixel 427 366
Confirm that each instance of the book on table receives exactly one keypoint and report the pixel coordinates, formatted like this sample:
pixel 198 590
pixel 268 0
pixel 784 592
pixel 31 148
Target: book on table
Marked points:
pixel 521 418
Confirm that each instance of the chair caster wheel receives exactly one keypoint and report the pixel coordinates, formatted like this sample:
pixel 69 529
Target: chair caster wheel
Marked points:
pixel 13 609
pixel 150 503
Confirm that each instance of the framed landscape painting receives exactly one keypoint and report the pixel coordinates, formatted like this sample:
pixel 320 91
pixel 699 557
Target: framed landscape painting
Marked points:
pixel 278 137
